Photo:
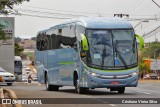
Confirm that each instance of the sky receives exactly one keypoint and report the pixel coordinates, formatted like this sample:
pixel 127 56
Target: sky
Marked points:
pixel 38 15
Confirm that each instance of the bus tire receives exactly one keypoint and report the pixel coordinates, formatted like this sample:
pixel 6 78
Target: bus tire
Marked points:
pixel 50 87
pixel 9 84
pixel 55 87
pixel 121 90
pixel 112 89
pixel 79 89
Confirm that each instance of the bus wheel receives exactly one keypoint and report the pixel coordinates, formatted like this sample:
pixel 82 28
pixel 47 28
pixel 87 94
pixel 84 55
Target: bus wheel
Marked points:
pixel 9 84
pixel 55 87
pixel 48 87
pixel 51 87
pixel 112 89
pixel 121 90
pixel 78 89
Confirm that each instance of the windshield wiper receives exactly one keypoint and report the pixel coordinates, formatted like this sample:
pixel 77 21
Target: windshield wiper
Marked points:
pixel 134 41
pixel 121 58
pixel 103 56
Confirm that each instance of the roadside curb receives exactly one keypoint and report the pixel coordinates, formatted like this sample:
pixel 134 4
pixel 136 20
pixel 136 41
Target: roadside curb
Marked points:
pixel 13 96
pixel 149 81
pixel 32 83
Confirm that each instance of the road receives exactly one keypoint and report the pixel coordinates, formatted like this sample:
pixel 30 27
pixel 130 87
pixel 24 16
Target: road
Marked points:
pixel 144 90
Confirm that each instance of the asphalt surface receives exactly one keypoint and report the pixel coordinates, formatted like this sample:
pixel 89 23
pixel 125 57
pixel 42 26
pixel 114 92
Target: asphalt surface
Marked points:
pixel 34 90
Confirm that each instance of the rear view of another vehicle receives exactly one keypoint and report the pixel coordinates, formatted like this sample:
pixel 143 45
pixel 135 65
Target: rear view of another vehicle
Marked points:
pixel 34 77
pixel 153 76
pixel 18 65
pixel 28 70
pixel 6 77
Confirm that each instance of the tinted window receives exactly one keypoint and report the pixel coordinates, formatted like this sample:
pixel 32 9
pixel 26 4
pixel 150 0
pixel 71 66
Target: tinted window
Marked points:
pixel 67 42
pixel 39 42
pixel 18 63
pixel 44 42
pixel 53 41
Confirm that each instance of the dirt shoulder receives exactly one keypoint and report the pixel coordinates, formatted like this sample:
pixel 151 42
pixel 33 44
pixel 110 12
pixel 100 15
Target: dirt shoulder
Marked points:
pixel 145 81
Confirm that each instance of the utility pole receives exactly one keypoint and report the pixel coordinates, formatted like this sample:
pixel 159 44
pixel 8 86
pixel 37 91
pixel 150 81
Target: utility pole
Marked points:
pixel 121 15
pixel 146 21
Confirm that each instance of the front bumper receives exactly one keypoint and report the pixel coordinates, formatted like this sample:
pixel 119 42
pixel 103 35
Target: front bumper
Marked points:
pixel 95 82
pixel 7 79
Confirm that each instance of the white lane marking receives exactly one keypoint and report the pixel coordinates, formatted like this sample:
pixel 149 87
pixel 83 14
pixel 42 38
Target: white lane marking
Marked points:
pixel 113 105
pixel 144 92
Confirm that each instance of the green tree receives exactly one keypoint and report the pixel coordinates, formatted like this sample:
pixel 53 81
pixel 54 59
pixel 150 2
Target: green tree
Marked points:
pixel 6 6
pixel 150 48
pixel 34 38
pixel 17 39
pixel 142 66
pixel 18 49
pixel 2 33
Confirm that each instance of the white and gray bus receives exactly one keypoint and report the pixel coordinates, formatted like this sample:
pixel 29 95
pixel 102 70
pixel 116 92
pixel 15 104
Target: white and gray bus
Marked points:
pixel 88 53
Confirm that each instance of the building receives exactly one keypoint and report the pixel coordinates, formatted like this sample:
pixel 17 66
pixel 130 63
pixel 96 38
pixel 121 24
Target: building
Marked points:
pixel 28 44
pixel 7 46
pixel 154 65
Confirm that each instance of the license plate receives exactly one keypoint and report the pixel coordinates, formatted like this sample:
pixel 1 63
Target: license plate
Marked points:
pixel 114 83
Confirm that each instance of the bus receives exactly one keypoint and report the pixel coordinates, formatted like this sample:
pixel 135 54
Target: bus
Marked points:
pixel 17 65
pixel 88 53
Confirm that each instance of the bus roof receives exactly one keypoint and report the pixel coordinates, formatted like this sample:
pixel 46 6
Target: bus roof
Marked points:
pixel 17 58
pixel 99 23
pixel 95 23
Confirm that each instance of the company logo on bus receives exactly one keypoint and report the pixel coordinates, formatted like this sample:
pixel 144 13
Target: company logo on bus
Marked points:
pixel 114 77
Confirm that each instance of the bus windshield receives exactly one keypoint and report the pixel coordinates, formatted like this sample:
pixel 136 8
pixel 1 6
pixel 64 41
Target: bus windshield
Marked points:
pixel 111 49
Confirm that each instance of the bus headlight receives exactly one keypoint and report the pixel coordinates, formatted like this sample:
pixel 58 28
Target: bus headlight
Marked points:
pixel 91 73
pixel 133 74
pixel 94 74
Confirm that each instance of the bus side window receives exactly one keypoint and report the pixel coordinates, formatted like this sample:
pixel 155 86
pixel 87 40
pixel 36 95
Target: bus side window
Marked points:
pixel 38 42
pixel 43 43
pixel 49 42
pixel 55 41
pixel 67 42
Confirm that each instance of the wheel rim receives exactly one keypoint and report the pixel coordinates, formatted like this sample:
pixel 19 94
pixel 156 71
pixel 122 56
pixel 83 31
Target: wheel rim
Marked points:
pixel 77 85
pixel 47 82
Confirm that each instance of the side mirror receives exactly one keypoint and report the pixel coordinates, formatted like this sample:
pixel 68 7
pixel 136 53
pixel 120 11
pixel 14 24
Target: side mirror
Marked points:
pixel 84 42
pixel 141 41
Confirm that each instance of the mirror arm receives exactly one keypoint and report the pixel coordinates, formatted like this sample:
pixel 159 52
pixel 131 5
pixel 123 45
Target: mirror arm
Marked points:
pixel 141 40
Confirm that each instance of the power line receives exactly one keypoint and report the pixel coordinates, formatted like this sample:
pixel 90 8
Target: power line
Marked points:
pixel 138 5
pixel 152 23
pixel 156 3
pixel 75 12
pixel 41 16
pixel 44 12
pixel 151 33
pixel 68 11
pixel 140 19
pixel 135 5
pixel 128 19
